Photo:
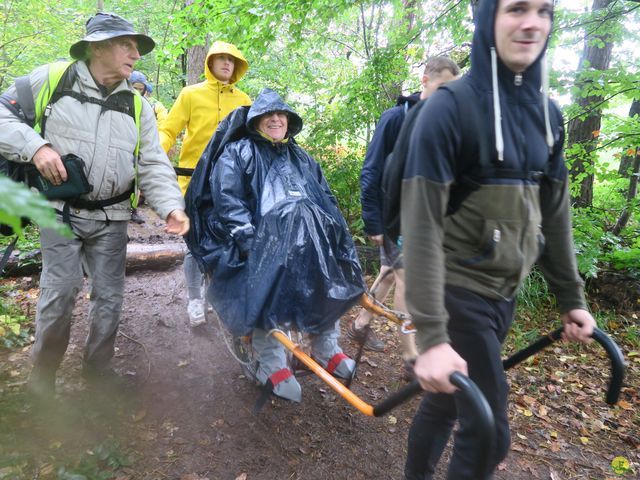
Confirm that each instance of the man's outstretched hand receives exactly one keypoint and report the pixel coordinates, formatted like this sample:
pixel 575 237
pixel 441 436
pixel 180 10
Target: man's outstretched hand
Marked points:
pixel 177 222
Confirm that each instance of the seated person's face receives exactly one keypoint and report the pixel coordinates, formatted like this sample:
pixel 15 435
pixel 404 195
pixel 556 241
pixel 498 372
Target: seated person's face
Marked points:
pixel 273 124
pixel 139 87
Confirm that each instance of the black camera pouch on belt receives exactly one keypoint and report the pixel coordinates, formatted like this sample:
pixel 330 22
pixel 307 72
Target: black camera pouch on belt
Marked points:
pixel 75 185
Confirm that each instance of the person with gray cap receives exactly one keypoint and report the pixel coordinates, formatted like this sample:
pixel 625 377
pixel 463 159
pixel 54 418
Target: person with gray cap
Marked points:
pixel 141 84
pixel 92 121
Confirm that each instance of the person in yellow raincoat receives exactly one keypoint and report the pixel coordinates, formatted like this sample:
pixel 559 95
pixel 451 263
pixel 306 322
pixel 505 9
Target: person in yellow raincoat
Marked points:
pixel 199 109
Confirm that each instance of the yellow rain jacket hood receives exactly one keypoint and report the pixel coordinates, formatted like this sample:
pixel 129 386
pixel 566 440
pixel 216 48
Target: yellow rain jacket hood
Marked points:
pixel 201 107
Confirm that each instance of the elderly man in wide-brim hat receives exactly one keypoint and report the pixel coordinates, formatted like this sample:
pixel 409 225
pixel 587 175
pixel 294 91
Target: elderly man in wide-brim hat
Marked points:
pixel 98 117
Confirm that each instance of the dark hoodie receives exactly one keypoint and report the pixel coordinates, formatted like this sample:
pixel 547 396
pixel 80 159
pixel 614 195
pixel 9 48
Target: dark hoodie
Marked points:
pixel 381 145
pixel 490 243
pixel 279 249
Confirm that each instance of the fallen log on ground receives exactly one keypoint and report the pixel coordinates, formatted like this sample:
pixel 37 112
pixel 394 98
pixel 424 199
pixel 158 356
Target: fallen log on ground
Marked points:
pixel 139 257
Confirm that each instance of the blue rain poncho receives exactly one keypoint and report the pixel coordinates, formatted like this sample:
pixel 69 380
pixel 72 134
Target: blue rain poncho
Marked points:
pixel 267 228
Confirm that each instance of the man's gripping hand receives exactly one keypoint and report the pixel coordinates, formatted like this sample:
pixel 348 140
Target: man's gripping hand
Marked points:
pixel 177 222
pixel 434 367
pixel 49 164
pixel 377 239
pixel 578 326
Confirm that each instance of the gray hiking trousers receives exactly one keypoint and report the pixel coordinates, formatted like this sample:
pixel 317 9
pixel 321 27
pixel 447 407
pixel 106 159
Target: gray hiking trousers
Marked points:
pixel 99 248
pixel 193 276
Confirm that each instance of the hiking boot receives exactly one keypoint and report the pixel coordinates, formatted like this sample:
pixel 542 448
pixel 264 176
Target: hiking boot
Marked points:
pixel 42 383
pixel 339 365
pixel 282 382
pixel 326 351
pixel 272 367
pixel 136 218
pixel 195 309
pixel 370 339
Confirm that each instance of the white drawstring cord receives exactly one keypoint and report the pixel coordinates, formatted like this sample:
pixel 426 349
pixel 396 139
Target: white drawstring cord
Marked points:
pixel 545 102
pixel 497 113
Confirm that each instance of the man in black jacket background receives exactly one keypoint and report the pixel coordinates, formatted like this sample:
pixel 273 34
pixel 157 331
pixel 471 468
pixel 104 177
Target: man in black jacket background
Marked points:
pixel 437 71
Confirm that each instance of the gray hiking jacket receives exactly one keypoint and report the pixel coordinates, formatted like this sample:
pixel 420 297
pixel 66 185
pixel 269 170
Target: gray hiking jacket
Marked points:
pixel 105 141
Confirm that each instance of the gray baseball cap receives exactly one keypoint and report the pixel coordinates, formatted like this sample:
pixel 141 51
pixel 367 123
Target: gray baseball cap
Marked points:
pixel 103 26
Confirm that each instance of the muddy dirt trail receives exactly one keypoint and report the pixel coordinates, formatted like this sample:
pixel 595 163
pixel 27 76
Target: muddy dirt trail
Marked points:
pixel 187 411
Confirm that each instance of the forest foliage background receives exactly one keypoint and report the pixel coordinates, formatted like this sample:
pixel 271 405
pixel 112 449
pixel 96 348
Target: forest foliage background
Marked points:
pixel 341 63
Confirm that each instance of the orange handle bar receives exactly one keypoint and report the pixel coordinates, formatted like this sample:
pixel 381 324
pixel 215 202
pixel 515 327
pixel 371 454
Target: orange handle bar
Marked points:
pixel 367 302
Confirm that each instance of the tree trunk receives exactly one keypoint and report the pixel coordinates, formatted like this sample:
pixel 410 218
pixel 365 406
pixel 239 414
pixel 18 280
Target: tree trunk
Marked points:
pixel 195 63
pixel 584 132
pixel 196 56
pixel 626 160
pixel 629 168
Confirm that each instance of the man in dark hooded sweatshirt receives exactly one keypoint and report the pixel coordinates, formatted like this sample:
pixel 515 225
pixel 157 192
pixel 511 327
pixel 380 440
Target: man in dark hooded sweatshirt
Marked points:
pixel 463 269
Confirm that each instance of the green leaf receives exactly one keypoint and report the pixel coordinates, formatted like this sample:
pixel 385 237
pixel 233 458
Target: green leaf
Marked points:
pixel 17 201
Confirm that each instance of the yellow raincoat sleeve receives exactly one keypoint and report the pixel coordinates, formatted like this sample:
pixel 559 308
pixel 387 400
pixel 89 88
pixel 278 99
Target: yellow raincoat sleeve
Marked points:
pixel 161 113
pixel 176 120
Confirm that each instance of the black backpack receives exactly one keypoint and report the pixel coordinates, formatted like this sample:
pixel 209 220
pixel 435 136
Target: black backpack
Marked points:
pixel 475 141
pixel 198 198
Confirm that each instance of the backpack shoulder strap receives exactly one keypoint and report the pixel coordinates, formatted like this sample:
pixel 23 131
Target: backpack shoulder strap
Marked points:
pixel 25 100
pixel 393 173
pixel 137 110
pixel 475 147
pixel 475 138
pixel 56 71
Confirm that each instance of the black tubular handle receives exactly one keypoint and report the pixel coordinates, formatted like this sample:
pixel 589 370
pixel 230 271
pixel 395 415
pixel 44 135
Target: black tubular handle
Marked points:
pixel 484 424
pixel 397 398
pixel 469 389
pixel 613 351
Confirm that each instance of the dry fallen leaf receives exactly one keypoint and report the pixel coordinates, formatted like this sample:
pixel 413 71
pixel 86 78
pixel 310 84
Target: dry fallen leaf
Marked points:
pixel 136 417
pixel 242 476
pixel 46 469
pixel 625 405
